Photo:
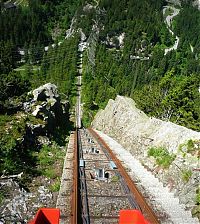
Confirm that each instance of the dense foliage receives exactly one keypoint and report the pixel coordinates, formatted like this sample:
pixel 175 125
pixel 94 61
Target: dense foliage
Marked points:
pixel 25 30
pixel 30 28
pixel 59 66
pixel 16 145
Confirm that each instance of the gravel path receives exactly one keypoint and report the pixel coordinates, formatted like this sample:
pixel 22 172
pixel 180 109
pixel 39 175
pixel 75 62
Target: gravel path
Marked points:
pixel 161 195
pixel 168 21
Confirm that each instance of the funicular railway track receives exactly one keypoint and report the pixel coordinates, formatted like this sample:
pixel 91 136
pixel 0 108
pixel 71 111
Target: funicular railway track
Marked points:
pixel 101 185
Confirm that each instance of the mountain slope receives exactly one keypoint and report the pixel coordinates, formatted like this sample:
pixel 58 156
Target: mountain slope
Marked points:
pixel 130 60
pixel 169 151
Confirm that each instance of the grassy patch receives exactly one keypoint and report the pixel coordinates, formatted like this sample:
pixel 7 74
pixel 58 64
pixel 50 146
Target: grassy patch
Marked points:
pixel 50 161
pixel 50 173
pixel 34 69
pixel 55 187
pixel 186 174
pixel 48 157
pixel 115 179
pixel 191 146
pixel 197 198
pixel 162 156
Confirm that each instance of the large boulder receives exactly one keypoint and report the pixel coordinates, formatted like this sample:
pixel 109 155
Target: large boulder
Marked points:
pixel 46 105
pixel 47 91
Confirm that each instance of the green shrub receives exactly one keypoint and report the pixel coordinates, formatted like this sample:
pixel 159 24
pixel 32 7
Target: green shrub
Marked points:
pixel 186 174
pixel 55 187
pixel 162 156
pixel 2 196
pixel 190 144
pixel 47 158
pixel 115 179
pixel 197 199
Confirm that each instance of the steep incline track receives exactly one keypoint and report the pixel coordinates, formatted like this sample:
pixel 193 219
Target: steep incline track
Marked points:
pixel 95 186
pixel 104 187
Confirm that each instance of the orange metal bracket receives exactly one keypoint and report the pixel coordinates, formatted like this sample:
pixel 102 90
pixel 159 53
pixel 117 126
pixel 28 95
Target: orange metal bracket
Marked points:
pixel 46 216
pixel 131 217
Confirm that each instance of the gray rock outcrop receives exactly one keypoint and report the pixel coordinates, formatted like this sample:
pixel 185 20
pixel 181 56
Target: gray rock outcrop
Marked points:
pixel 20 205
pixel 47 91
pixel 46 105
pixel 137 133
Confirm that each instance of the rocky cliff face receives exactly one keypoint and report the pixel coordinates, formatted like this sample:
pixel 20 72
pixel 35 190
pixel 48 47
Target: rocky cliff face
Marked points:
pixel 139 133
pixel 196 3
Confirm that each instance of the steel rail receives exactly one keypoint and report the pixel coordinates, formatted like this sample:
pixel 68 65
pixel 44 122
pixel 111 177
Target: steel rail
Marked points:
pixel 131 197
pixel 83 185
pixel 146 210
pixel 74 200
pixel 125 188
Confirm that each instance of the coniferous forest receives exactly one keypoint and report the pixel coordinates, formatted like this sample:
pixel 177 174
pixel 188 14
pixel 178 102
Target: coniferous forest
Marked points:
pixel 165 86
pixel 126 42
pixel 26 31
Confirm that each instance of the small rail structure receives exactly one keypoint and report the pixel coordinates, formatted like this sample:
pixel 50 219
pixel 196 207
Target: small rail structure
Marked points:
pixel 101 185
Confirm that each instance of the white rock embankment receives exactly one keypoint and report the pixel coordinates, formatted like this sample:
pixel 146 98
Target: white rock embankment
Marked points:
pixel 137 132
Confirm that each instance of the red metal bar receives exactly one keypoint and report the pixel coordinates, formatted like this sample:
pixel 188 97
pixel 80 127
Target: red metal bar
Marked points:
pixel 131 217
pixel 46 216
